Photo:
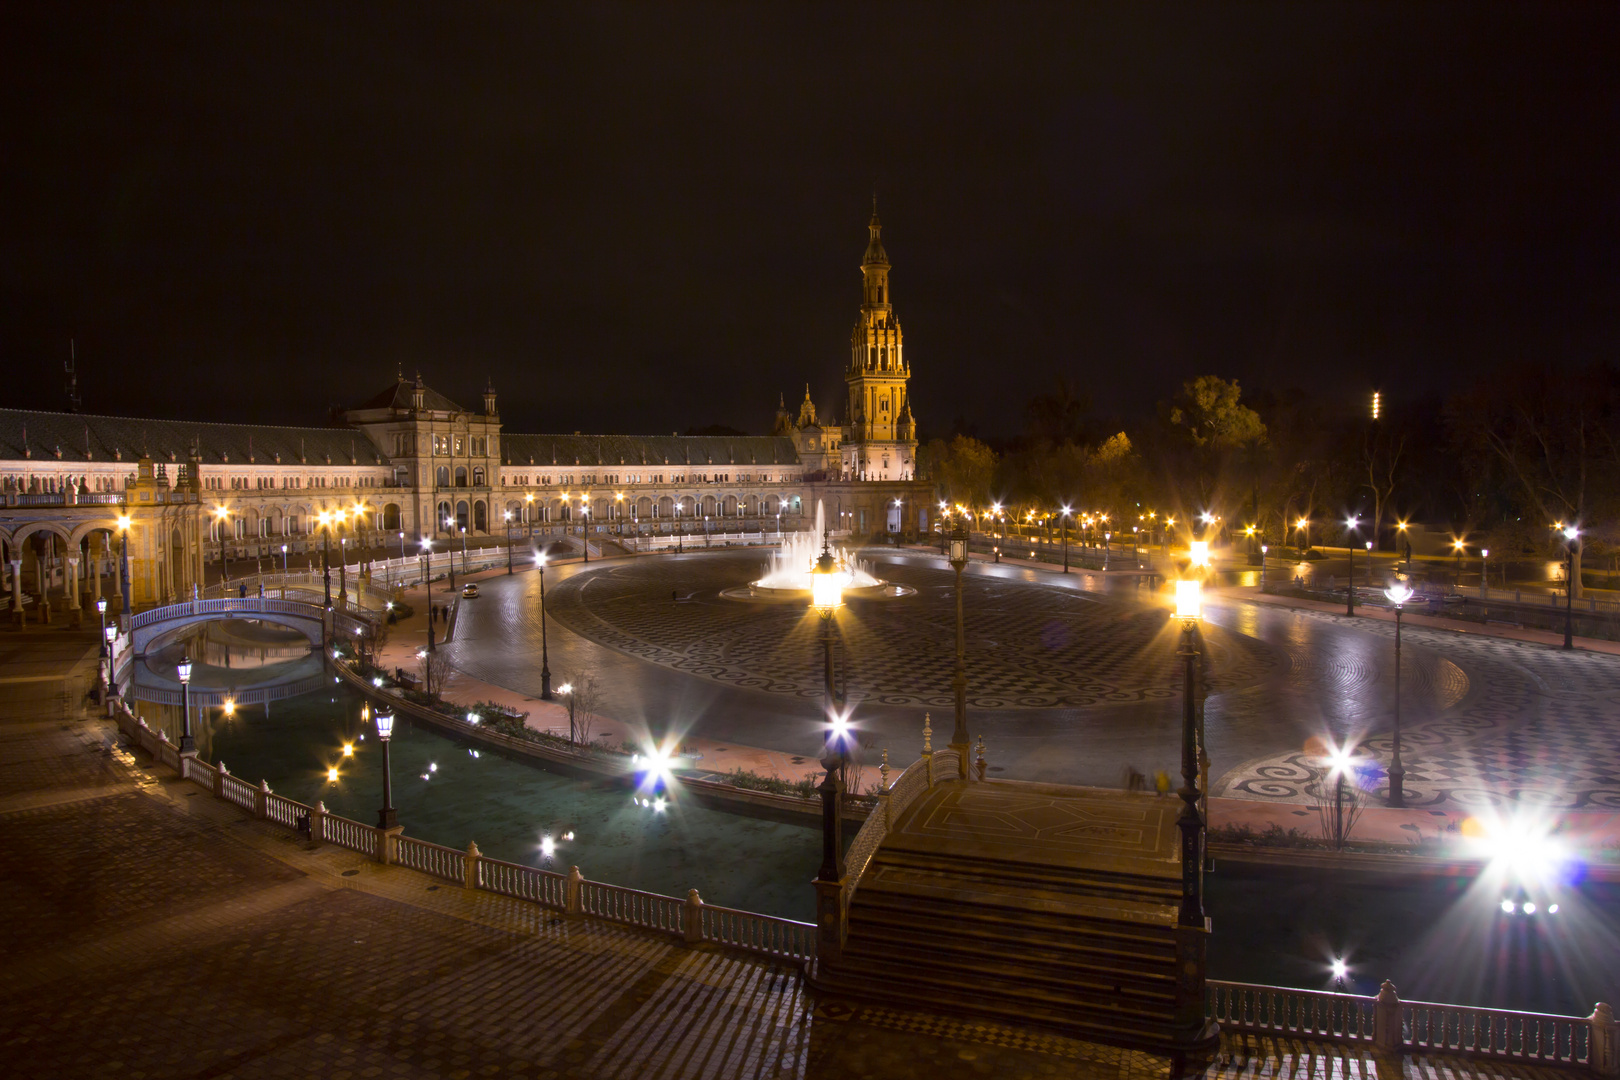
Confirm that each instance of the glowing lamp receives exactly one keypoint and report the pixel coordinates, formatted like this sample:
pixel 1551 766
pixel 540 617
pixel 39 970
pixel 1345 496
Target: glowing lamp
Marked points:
pixel 385 724
pixel 348 749
pixel 101 606
pixel 230 706
pixel 123 522
pixel 331 775
pixel 1399 592
pixel 1571 533
pixel 566 688
pixel 1198 550
pixel 183 668
pixel 826 585
pixel 1189 599
pixel 112 633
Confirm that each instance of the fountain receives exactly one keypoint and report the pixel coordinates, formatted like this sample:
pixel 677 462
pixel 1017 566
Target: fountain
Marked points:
pixel 787 577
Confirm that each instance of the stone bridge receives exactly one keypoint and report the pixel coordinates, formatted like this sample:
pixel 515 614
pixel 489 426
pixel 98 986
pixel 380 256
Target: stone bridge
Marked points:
pixel 314 621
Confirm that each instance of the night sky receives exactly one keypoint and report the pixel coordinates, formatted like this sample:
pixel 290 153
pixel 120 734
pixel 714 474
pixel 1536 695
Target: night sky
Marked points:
pixel 643 220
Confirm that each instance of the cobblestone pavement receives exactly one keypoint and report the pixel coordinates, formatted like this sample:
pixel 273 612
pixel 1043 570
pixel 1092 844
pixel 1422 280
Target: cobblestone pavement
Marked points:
pixel 152 931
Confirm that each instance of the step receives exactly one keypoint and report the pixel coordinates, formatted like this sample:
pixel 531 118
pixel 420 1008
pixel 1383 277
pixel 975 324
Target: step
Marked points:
pixel 1033 880
pixel 1078 953
pixel 925 891
pixel 978 971
pixel 1105 1022
pixel 1028 928
pixel 952 862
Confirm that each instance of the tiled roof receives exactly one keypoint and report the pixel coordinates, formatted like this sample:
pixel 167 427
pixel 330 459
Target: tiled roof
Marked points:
pixel 398 396
pixel 80 438
pixel 626 450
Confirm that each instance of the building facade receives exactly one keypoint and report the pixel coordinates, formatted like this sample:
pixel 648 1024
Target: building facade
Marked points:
pixel 411 465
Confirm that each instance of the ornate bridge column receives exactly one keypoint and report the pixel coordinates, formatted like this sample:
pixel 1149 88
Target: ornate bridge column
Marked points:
pixel 16 591
pixel 70 589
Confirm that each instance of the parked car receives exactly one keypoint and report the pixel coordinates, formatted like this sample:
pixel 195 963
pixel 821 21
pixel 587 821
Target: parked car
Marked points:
pixel 469 591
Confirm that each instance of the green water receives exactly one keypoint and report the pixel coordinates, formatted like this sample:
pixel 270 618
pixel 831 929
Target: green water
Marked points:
pixel 507 806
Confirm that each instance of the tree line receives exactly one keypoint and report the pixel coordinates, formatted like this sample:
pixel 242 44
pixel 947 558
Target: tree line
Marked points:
pixel 1497 464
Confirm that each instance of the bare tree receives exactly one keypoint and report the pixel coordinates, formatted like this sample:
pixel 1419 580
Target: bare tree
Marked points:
pixel 1381 453
pixel 1339 802
pixel 586 703
pixel 435 672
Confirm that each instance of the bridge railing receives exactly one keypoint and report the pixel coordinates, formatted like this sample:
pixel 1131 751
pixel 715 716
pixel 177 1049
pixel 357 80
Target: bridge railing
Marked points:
pixel 690 920
pixel 1387 1023
pixel 922 774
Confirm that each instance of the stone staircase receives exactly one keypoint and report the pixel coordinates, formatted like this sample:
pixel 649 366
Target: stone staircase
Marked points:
pixel 1027 903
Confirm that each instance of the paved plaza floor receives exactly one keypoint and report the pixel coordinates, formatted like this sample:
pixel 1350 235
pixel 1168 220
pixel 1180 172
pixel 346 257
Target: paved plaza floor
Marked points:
pixel 1071 678
pixel 152 931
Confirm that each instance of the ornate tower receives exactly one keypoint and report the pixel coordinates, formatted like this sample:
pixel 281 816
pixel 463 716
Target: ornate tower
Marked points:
pixel 880 441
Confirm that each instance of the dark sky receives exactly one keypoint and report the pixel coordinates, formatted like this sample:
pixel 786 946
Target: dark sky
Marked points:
pixel 643 219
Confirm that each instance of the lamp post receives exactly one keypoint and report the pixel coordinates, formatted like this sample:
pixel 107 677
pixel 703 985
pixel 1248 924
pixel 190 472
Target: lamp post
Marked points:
pixel 464 570
pixel 944 517
pixel 124 522
pixel 567 689
pixel 1304 527
pixel 1570 533
pixel 585 527
pixel 325 518
pixel 450 559
pixel 1484 571
pixel 1457 547
pixel 1263 549
pixel 959 733
pixel 283 566
pixel 545 660
pixel 343 571
pixel 826 596
pixel 101 610
pixel 183 669
pixel 506 515
pixel 1065 527
pixel 386 818
pixel 1189 609
pixel 1399 592
pixel 110 633
pixel 221 515
pixel 1350 553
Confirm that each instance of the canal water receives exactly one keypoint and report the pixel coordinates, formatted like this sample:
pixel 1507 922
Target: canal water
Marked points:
pixel 1437 938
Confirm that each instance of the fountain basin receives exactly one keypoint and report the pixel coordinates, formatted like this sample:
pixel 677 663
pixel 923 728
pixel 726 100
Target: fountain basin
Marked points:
pixel 755 593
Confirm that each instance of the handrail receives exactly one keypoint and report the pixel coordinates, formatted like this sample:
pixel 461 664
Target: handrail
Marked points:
pixel 1313 1014
pixel 921 775
pixel 653 911
pixel 435 859
pixel 1496 1033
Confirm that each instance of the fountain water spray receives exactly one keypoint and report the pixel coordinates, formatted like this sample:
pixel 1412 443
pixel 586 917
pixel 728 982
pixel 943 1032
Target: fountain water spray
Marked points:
pixel 791 563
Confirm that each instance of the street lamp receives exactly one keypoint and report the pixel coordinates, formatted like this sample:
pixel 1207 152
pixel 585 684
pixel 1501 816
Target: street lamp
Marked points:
pixel 110 633
pixel 221 514
pixel 386 818
pixel 183 669
pixel 284 567
pixel 1066 539
pixel 1264 548
pixel 1457 547
pixel 325 519
pixel 585 526
pixel 545 661
pixel 1304 527
pixel 124 521
pixel 1189 609
pixel 1399 592
pixel 826 597
pixel 506 515
pixel 1484 570
pixel 959 733
pixel 568 690
pixel 1350 553
pixel 1570 533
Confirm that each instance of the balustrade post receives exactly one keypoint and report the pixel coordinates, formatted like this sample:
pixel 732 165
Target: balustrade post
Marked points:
pixel 388 844
pixel 692 917
pixel 1387 1020
pixel 261 800
pixel 1603 1056
pixel 470 867
pixel 317 823
pixel 571 897
pixel 186 758
pixel 220 773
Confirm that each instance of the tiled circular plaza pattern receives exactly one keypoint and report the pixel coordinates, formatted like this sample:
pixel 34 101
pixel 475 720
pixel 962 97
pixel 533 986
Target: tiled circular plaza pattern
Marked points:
pixel 1034 647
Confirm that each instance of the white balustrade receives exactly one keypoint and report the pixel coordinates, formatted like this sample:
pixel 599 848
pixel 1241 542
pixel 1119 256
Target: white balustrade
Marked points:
pixel 351 835
pixel 765 934
pixel 631 906
pixel 283 811
pixel 1497 1033
pixel 441 862
pixel 522 882
pixel 1311 1014
pixel 240 792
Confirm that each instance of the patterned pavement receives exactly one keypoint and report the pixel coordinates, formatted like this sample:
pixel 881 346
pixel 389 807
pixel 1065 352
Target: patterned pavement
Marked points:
pixel 1527 724
pixel 1033 647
